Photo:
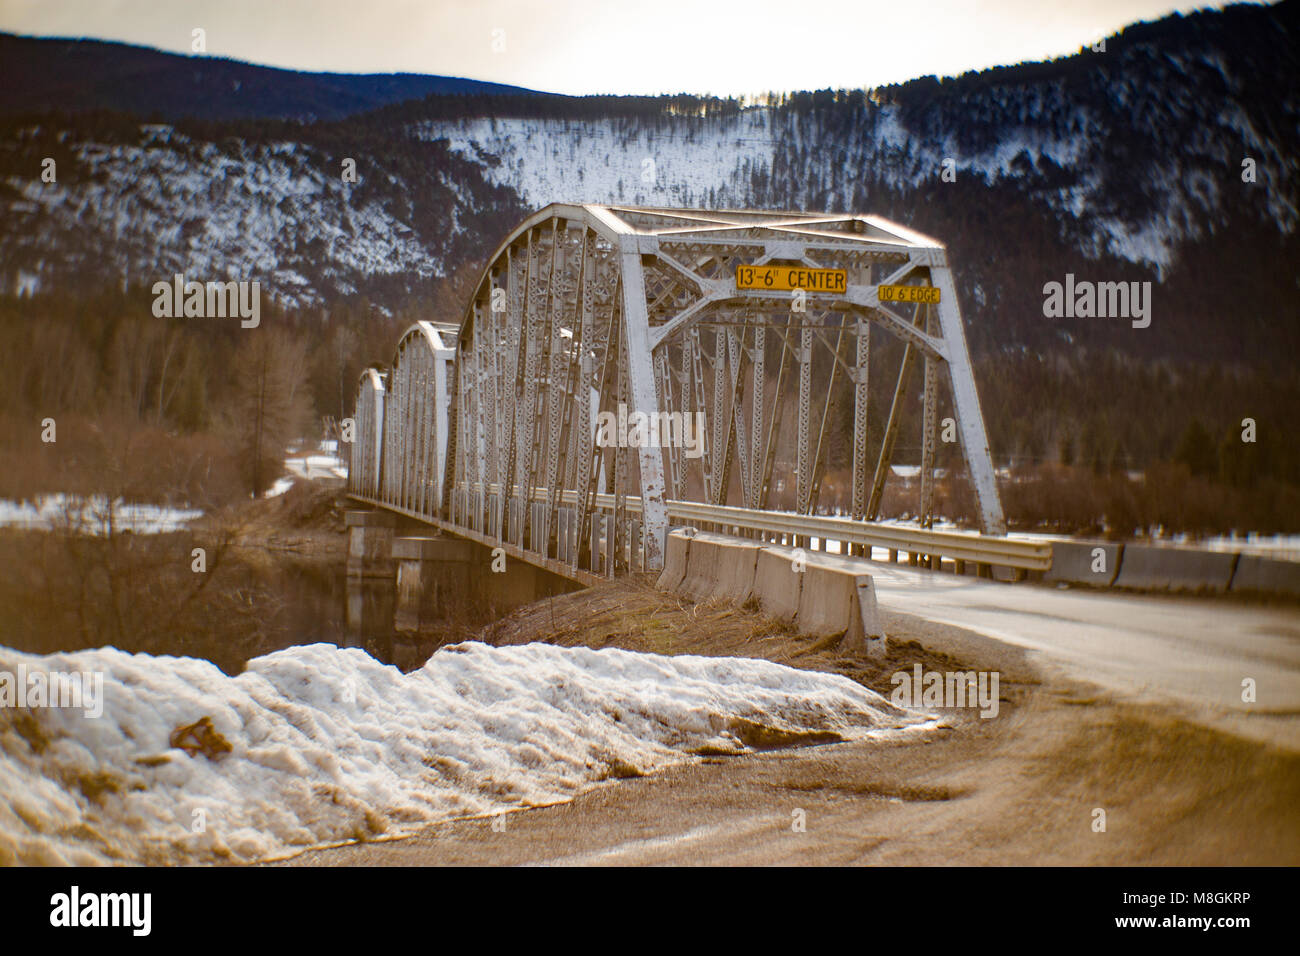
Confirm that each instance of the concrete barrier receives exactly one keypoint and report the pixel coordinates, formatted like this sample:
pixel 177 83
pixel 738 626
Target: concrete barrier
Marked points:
pixel 827 600
pixel 1150 568
pixel 776 584
pixel 737 562
pixel 675 558
pixel 1084 562
pixel 829 596
pixel 838 597
pixel 702 563
pixel 1260 575
pixel 866 630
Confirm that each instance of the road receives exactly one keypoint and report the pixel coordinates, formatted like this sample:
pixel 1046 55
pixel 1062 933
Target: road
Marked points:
pixel 1191 652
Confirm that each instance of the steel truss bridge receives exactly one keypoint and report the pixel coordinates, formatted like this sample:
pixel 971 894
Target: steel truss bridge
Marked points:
pixel 492 428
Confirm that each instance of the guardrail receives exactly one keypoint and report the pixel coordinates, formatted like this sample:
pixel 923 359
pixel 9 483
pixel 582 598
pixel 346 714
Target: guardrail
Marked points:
pixel 926 547
pixel 1068 562
pixel 977 549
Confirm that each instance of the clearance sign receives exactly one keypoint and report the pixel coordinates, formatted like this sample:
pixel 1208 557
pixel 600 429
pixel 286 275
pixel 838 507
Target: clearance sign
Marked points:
pixel 908 293
pixel 789 278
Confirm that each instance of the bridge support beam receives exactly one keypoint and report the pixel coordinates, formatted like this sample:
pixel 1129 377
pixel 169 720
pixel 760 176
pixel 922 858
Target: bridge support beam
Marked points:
pixel 965 398
pixel 641 379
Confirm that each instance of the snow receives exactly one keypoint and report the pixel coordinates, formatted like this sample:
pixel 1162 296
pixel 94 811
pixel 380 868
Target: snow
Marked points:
pixel 1282 547
pixel 310 466
pixel 330 745
pixel 92 515
pixel 317 466
pixel 280 487
pixel 566 160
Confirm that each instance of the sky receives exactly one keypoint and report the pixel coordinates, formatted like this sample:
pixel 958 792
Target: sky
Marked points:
pixel 724 47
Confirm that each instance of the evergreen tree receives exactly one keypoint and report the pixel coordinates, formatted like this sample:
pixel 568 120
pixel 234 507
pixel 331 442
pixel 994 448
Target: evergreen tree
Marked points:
pixel 1196 450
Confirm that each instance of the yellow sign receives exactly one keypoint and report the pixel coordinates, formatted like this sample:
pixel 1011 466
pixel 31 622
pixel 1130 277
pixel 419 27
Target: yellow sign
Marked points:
pixel 909 293
pixel 789 278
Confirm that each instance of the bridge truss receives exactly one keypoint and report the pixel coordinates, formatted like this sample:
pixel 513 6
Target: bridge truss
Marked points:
pixel 591 315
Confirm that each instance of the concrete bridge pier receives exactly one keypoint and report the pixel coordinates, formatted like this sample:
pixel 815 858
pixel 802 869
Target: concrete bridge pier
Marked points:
pixel 433 575
pixel 518 583
pixel 406 576
pixel 370 543
pixel 370 615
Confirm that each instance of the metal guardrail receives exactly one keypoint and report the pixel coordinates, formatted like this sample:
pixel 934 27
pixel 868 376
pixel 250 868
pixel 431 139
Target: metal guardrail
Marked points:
pixel 778 527
pixel 977 549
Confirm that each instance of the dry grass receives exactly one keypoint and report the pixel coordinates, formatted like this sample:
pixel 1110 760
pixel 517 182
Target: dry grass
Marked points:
pixel 634 615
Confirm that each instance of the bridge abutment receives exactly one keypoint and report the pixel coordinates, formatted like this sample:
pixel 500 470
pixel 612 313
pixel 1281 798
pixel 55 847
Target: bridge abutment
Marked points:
pixel 444 577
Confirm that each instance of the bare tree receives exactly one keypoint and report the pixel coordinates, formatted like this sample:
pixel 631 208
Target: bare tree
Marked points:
pixel 175 348
pixel 271 402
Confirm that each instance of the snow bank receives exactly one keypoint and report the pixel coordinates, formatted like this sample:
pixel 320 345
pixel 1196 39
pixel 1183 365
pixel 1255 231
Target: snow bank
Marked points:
pixel 330 745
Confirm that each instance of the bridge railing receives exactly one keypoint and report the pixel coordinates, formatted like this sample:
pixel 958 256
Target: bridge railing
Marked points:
pixel 480 508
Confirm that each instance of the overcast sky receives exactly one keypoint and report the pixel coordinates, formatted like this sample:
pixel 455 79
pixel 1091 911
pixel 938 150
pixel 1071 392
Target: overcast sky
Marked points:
pixel 608 46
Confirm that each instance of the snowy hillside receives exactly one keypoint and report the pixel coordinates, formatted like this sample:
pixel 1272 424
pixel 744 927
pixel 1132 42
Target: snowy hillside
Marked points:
pixel 209 213
pixel 134 203
pixel 679 163
pixel 1056 138
pixel 1137 161
pixel 716 164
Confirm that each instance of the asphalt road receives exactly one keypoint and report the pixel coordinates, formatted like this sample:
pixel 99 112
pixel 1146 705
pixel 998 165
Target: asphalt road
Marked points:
pixel 1191 652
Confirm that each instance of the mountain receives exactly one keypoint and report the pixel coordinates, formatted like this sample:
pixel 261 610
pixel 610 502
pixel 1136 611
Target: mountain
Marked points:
pixel 1169 156
pixel 1120 164
pixel 74 76
pixel 133 203
pixel 1123 163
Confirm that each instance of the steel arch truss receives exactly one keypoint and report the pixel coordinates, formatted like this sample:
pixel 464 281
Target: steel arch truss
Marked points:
pixel 413 419
pixel 366 449
pixel 588 315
